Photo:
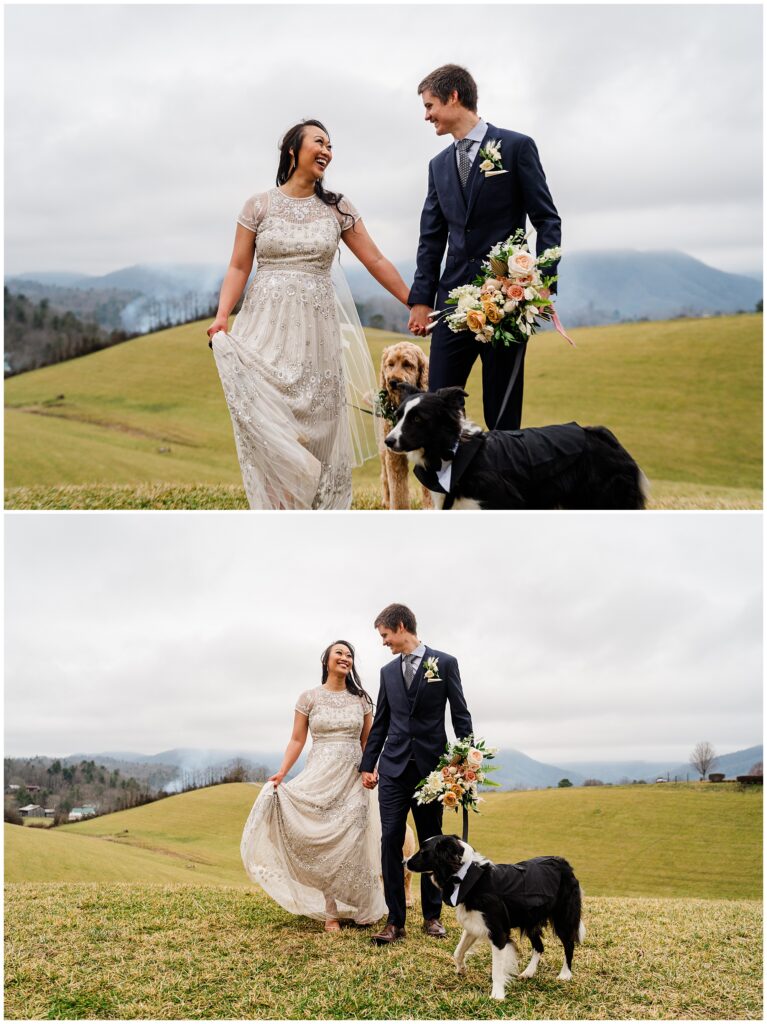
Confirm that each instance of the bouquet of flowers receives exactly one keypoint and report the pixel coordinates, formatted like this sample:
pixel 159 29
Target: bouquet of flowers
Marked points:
pixel 509 296
pixel 457 778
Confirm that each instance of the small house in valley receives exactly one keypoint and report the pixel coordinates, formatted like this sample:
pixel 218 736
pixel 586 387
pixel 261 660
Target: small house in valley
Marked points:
pixel 32 811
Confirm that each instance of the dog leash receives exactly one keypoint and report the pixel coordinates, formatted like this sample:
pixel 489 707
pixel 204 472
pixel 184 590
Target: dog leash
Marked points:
pixel 512 381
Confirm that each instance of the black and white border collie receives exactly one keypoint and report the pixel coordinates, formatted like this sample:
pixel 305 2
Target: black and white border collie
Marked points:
pixel 492 899
pixel 565 466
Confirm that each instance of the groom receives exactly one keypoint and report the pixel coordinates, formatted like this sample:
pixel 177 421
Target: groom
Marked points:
pixel 471 204
pixel 410 720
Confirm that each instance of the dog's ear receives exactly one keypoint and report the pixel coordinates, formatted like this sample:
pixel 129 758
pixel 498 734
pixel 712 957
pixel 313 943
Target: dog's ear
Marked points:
pixel 447 858
pixel 384 355
pixel 422 380
pixel 454 396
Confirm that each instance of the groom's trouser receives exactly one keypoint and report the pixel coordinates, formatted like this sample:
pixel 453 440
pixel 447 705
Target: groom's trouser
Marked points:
pixel 451 358
pixel 395 799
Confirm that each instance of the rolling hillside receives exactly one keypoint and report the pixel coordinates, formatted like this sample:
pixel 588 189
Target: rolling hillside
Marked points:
pixel 146 915
pixel 632 841
pixel 684 396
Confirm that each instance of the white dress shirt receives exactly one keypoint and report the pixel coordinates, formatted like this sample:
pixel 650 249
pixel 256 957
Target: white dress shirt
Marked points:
pixel 476 135
pixel 460 875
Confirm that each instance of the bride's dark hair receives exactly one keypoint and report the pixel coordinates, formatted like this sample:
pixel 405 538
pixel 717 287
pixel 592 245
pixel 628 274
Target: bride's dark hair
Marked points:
pixel 353 681
pixel 293 139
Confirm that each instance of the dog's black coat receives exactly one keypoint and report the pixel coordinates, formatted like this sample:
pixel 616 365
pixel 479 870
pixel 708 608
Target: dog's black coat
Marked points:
pixel 528 895
pixel 563 466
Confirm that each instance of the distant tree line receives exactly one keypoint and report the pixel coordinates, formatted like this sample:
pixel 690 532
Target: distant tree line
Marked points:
pixel 62 786
pixel 37 335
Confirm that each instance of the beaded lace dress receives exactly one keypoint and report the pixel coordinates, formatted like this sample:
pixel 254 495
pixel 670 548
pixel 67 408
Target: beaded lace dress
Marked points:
pixel 295 369
pixel 317 838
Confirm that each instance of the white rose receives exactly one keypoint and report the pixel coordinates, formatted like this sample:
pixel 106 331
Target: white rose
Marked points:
pixel 529 294
pixel 474 756
pixel 509 307
pixel 487 165
pixel 521 263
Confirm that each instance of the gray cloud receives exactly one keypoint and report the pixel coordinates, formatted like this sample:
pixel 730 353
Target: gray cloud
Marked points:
pixel 578 637
pixel 143 147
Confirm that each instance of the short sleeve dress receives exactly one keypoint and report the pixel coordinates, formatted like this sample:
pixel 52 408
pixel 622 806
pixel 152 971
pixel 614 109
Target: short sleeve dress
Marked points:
pixel 297 410
pixel 315 841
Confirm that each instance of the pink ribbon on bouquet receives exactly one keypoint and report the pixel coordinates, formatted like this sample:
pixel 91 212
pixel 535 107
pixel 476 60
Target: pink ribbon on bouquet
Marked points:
pixel 558 325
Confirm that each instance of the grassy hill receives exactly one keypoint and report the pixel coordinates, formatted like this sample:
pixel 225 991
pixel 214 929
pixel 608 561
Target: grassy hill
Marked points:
pixel 146 914
pixel 623 841
pixel 145 424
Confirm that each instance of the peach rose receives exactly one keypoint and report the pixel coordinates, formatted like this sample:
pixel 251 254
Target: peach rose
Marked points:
pixel 493 313
pixel 445 773
pixel 521 263
pixel 450 800
pixel 470 776
pixel 475 320
pixel 474 756
pixel 515 292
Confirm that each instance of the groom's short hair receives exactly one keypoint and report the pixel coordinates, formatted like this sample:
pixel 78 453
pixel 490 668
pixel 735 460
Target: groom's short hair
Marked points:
pixel 448 79
pixel 395 614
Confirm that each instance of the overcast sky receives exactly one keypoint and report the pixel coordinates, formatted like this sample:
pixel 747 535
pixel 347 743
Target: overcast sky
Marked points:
pixel 134 133
pixel 578 637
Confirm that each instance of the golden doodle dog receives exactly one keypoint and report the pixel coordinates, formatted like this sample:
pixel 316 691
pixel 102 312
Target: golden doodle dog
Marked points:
pixel 403 363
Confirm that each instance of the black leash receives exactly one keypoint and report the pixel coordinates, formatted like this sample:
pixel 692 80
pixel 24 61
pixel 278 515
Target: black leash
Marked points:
pixel 465 835
pixel 522 345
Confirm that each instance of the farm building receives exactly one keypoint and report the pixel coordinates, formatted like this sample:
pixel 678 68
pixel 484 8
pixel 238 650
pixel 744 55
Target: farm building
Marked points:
pixel 32 811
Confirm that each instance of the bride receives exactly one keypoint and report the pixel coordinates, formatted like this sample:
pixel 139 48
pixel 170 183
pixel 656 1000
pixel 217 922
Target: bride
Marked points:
pixel 314 843
pixel 295 367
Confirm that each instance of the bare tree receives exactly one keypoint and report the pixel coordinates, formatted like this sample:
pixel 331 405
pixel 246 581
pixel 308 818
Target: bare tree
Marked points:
pixel 703 758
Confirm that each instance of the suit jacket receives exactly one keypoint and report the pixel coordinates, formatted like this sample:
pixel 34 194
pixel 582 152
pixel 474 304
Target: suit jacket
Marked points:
pixel 523 458
pixel 532 883
pixel 403 728
pixel 489 210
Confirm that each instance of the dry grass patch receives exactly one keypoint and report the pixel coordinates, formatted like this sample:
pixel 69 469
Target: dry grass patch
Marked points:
pixel 168 952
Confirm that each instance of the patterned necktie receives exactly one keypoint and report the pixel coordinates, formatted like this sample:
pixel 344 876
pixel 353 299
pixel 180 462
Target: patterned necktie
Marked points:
pixel 408 669
pixel 464 164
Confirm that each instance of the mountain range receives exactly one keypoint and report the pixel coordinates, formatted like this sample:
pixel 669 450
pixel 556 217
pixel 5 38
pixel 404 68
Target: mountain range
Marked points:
pixel 515 770
pixel 596 287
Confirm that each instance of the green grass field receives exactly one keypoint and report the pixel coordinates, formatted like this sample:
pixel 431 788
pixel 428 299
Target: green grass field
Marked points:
pixel 147 914
pixel 144 424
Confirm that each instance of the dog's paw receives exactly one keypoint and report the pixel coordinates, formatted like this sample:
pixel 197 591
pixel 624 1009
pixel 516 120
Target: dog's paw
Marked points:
pixel 410 904
pixel 564 975
pixel 527 973
pixel 497 992
pixel 460 966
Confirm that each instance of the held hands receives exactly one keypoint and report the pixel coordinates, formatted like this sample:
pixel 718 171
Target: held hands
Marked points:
pixel 419 322
pixel 370 779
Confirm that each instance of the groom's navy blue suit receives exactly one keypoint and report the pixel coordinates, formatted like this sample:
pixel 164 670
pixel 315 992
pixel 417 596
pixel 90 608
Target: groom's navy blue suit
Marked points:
pixel 470 221
pixel 407 739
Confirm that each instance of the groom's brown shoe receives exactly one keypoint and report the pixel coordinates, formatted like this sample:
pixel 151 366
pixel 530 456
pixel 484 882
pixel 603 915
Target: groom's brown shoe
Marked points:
pixel 433 928
pixel 388 934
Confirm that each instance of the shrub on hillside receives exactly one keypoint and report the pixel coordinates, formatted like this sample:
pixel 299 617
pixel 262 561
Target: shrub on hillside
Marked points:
pixel 13 817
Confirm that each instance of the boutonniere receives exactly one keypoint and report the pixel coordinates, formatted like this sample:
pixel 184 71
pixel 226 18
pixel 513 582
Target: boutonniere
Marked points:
pixel 491 159
pixel 431 670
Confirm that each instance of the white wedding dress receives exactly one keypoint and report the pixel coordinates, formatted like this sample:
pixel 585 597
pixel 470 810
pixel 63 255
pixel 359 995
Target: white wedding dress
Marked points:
pixel 317 838
pixel 295 367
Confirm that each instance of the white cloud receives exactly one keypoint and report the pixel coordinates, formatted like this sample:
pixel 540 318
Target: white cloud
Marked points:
pixel 578 637
pixel 135 132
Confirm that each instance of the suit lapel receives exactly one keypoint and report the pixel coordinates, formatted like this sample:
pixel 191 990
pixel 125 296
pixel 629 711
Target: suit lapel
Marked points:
pixel 470 879
pixel 449 182
pixel 477 178
pixel 463 458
